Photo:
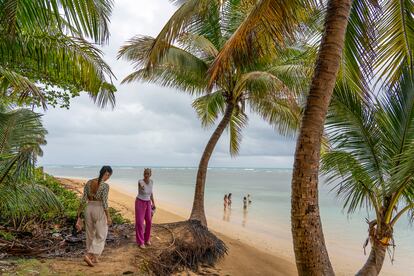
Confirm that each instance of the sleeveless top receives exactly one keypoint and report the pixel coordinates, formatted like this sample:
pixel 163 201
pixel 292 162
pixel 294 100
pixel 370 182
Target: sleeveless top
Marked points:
pixel 101 194
pixel 144 190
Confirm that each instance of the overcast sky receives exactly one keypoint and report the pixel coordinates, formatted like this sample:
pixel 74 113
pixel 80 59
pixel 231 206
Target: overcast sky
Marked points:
pixel 151 125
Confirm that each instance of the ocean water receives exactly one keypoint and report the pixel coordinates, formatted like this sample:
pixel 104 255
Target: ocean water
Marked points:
pixel 268 216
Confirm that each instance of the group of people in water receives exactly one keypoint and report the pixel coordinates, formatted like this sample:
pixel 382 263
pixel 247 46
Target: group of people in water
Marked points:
pixel 227 201
pixel 96 216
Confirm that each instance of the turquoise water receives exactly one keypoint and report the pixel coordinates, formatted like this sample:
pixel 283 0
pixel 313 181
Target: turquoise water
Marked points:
pixel 270 208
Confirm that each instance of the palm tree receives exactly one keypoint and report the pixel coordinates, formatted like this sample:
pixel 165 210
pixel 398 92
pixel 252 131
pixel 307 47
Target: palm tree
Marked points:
pixel 370 162
pixel 45 57
pixel 377 40
pixel 45 54
pixel 267 86
pixel 21 136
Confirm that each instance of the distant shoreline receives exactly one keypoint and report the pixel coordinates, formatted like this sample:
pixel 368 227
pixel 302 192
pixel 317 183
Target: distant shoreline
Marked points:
pixel 159 167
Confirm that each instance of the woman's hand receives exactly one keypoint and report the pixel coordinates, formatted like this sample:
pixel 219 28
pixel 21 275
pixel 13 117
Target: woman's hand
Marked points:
pixel 141 186
pixel 78 224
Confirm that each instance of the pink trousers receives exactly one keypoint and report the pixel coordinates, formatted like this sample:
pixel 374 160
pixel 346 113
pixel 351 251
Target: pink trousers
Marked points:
pixel 142 212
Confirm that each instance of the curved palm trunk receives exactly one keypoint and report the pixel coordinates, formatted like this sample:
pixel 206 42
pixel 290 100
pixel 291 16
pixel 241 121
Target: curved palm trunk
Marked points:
pixel 308 240
pixel 375 260
pixel 197 213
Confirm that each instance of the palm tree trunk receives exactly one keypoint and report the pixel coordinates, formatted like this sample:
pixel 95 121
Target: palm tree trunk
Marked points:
pixel 308 240
pixel 375 260
pixel 197 213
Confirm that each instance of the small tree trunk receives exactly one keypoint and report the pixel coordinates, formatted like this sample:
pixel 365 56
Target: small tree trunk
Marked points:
pixel 375 260
pixel 308 240
pixel 198 213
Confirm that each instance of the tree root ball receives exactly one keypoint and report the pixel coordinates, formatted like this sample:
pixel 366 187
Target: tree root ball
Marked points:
pixel 192 245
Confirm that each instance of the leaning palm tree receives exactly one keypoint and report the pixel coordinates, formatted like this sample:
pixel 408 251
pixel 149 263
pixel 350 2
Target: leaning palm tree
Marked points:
pixel 45 54
pixel 21 135
pixel 370 162
pixel 268 87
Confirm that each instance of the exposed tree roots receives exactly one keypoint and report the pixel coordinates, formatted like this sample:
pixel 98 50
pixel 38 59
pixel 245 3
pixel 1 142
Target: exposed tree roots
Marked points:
pixel 192 245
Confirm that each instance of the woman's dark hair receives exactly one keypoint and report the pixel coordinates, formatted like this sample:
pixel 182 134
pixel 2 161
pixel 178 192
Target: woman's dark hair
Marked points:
pixel 104 170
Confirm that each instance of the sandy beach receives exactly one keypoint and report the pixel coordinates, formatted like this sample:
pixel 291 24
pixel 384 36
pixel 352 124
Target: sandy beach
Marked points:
pixel 243 259
pixel 250 252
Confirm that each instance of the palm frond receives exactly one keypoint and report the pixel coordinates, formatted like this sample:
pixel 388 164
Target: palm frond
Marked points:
pixel 396 40
pixel 15 85
pixel 89 17
pixel 209 107
pixel 238 121
pixel 188 12
pixel 359 49
pixel 351 181
pixel 351 126
pixel 396 122
pixel 22 202
pixel 56 60
pixel 257 81
pixel 21 135
pixel 284 114
pixel 198 45
pixel 268 22
pixel 178 68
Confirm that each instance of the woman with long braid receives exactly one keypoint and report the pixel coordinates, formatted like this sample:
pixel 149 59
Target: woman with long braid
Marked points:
pixel 97 218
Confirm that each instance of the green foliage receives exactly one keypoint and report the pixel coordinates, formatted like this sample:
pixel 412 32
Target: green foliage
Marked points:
pixel 8 236
pixel 69 199
pixel 22 201
pixel 21 135
pixel 372 140
pixel 45 54
pixel 23 204
pixel 116 216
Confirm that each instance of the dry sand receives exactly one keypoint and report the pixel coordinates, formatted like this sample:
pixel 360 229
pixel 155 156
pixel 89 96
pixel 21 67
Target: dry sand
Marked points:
pixel 242 259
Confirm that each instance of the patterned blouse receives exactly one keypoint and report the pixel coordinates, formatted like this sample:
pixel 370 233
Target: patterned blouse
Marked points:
pixel 101 194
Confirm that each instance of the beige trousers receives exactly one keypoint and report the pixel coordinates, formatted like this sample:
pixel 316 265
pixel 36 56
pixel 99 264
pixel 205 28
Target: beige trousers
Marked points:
pixel 96 227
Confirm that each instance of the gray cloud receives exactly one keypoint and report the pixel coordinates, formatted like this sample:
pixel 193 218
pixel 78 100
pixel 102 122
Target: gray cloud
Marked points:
pixel 150 125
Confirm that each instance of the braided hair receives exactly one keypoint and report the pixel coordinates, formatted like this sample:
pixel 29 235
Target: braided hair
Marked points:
pixel 104 170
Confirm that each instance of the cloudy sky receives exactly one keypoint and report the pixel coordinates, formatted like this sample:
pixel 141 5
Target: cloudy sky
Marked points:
pixel 151 125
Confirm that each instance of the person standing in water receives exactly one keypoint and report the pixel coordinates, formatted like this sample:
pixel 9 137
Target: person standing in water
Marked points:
pixel 144 205
pixel 225 202
pixel 97 218
pixel 244 202
pixel 229 200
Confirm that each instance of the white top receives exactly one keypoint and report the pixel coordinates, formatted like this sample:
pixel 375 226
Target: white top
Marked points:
pixel 144 190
